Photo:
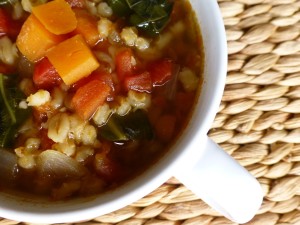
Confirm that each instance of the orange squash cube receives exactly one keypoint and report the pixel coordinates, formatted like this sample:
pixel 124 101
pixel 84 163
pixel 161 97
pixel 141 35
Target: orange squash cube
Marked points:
pixel 57 16
pixel 73 59
pixel 34 40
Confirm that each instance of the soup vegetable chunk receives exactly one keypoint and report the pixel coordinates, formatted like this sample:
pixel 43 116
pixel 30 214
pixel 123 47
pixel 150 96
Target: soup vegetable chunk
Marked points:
pixel 92 93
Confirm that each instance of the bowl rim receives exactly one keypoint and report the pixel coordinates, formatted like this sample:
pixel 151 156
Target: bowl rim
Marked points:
pixel 92 207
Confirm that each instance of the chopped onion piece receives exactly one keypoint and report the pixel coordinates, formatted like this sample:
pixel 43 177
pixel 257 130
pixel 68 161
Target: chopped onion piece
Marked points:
pixel 57 165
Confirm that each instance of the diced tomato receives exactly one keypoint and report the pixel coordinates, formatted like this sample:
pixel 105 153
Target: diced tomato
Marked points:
pixel 89 97
pixel 100 75
pixel 141 82
pixel 76 3
pixel 8 26
pixel 124 65
pixel 45 75
pixel 161 71
pixel 106 78
pixel 87 27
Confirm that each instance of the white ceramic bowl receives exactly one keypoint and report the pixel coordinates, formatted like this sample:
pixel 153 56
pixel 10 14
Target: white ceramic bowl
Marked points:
pixel 195 160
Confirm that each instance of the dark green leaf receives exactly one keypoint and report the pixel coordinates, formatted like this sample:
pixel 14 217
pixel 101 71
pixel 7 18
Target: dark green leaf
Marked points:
pixel 133 126
pixel 137 126
pixel 139 6
pixel 119 7
pixel 149 27
pixel 6 129
pixel 113 130
pixel 6 100
pixel 7 137
pixel 150 16
pixel 11 116
pixel 16 96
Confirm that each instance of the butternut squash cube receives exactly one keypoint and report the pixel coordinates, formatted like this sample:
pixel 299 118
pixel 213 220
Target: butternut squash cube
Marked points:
pixel 34 40
pixel 57 16
pixel 72 59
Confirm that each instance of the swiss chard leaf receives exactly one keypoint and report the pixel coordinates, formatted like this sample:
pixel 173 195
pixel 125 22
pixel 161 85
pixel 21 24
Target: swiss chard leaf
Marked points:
pixel 150 16
pixel 133 126
pixel 119 7
pixel 7 137
pixel 113 130
pixel 136 126
pixel 11 115
pixel 6 100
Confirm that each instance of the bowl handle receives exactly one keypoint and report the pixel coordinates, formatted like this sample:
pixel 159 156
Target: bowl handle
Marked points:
pixel 223 183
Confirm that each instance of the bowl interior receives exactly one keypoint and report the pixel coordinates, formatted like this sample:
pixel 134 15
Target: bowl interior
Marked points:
pixel 187 148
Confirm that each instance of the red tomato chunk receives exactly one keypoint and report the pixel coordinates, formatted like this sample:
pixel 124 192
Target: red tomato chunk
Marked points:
pixel 141 82
pixel 45 75
pixel 124 65
pixel 89 97
pixel 161 71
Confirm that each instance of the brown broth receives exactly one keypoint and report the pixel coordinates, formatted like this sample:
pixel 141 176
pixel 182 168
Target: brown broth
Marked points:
pixel 110 163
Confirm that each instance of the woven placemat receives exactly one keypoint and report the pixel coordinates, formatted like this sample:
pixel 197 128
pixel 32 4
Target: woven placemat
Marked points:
pixel 258 122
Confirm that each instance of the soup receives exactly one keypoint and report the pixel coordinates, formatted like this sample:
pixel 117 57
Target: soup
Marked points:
pixel 93 92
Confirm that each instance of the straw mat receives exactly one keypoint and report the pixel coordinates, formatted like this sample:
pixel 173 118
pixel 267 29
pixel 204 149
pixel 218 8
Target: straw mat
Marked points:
pixel 258 121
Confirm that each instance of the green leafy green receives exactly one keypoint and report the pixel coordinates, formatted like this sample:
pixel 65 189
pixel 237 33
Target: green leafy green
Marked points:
pixel 119 7
pixel 11 115
pixel 113 130
pixel 150 16
pixel 133 126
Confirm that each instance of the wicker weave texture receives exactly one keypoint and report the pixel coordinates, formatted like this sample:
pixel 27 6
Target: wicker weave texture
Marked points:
pixel 258 122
